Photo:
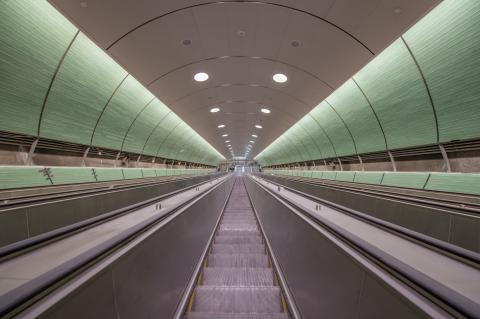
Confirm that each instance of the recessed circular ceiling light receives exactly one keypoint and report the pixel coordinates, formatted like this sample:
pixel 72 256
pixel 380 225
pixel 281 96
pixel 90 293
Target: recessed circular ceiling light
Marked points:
pixel 252 141
pixel 266 111
pixel 258 126
pixel 224 135
pixel 221 126
pixel 280 78
pixel 229 145
pixel 227 141
pixel 200 77
pixel 214 110
pixel 253 135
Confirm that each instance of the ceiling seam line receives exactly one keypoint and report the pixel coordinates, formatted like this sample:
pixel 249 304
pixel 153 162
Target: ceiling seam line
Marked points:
pixel 180 140
pixel 325 132
pixel 374 112
pixel 183 145
pixel 294 146
pixel 241 85
pixel 131 124
pixel 238 57
pixel 57 69
pixel 153 130
pixel 427 88
pixel 311 137
pixel 346 126
pixel 286 154
pixel 168 135
pixel 105 107
pixel 242 1
pixel 301 141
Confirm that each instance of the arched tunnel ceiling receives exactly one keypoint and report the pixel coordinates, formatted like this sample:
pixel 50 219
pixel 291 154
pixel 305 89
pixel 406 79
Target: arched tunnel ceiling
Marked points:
pixel 241 44
pixel 56 84
pixel 424 89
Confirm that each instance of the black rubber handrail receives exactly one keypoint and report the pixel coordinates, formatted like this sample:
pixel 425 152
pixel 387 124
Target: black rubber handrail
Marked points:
pixel 462 304
pixel 430 241
pixel 437 202
pixel 20 295
pixel 69 194
pixel 29 243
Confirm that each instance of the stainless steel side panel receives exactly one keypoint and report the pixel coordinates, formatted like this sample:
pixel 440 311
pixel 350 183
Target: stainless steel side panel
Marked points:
pixel 148 280
pixel 457 229
pixel 17 224
pixel 325 281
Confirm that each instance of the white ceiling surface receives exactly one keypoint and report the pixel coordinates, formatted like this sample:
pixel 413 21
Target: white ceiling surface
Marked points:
pixel 337 38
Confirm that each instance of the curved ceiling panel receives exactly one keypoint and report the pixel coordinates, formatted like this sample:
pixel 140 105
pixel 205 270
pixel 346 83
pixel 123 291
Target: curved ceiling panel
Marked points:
pixel 83 85
pixel 317 44
pixel 394 87
pixel 446 45
pixel 373 22
pixel 29 61
pixel 56 83
pixel 359 116
pixel 143 126
pixel 422 90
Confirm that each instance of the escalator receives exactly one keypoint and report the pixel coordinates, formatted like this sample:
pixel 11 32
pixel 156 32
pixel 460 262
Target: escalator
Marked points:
pixel 237 279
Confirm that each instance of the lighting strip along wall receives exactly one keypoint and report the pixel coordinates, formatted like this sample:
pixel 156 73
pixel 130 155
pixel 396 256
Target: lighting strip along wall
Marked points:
pixel 421 90
pixel 56 84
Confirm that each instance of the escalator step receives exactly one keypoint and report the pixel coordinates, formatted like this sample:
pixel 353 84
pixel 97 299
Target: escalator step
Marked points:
pixel 238 248
pixel 240 227
pixel 226 232
pixel 238 260
pixel 237 299
pixel 238 239
pixel 214 276
pixel 221 315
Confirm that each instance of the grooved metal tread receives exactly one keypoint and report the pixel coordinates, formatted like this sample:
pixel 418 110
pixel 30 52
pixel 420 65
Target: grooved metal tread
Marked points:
pixel 221 315
pixel 237 281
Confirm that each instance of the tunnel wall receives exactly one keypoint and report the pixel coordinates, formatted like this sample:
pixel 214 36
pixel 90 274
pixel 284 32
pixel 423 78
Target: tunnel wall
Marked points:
pixel 423 89
pixel 56 83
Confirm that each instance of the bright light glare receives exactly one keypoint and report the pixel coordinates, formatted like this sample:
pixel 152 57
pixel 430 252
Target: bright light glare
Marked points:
pixel 280 78
pixel 253 135
pixel 214 110
pixel 258 126
pixel 200 77
pixel 224 135
pixel 266 111
pixel 221 126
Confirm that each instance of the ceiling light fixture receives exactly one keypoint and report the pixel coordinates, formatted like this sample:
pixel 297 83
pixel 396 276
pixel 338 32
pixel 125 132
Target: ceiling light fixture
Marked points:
pixel 200 77
pixel 229 145
pixel 255 136
pixel 252 141
pixel 266 111
pixel 221 126
pixel 214 110
pixel 227 141
pixel 280 78
pixel 258 126
pixel 224 135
